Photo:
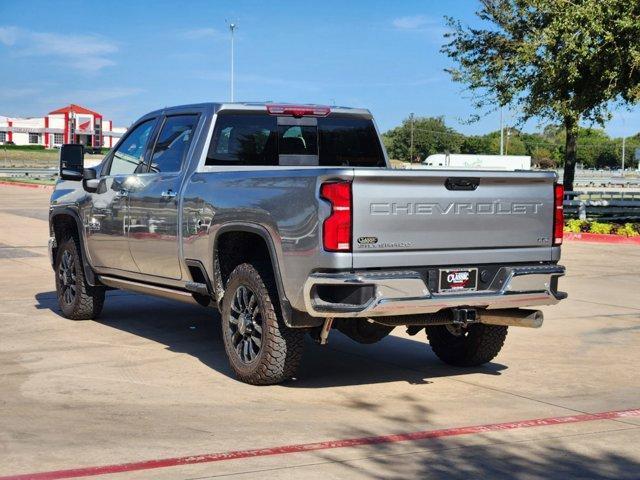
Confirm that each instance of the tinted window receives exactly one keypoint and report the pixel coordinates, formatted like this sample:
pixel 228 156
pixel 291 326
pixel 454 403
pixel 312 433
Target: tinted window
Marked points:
pixel 243 140
pixel 297 140
pixel 349 141
pixel 173 143
pixel 256 139
pixel 129 157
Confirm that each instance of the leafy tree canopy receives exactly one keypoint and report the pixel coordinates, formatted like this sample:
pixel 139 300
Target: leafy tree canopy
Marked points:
pixel 563 60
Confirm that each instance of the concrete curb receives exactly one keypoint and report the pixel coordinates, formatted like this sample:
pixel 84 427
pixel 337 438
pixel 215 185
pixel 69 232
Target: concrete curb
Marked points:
pixel 601 238
pixel 26 185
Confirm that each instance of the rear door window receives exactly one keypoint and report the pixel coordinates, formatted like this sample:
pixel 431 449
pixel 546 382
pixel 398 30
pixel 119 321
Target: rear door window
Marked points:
pixel 244 139
pixel 258 139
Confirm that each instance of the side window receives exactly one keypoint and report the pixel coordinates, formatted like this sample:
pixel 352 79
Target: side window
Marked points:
pixel 173 142
pixel 129 157
pixel 244 139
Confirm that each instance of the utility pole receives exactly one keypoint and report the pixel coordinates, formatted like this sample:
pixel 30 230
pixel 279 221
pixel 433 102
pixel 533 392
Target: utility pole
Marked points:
pixel 411 147
pixel 501 132
pixel 232 29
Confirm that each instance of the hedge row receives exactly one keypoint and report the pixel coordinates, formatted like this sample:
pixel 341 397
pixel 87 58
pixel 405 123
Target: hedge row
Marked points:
pixel 586 226
pixel 21 147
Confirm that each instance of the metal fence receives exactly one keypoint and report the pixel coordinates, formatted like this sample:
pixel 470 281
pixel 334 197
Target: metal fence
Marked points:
pixel 604 178
pixel 606 206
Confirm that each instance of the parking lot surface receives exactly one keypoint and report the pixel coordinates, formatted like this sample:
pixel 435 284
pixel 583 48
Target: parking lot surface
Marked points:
pixel 145 391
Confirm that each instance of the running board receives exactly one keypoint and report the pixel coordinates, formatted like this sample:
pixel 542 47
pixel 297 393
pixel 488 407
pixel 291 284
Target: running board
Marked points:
pixel 138 287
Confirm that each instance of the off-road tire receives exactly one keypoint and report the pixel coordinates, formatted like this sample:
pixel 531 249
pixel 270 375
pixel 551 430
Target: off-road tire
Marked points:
pixel 281 348
pixel 86 302
pixel 478 344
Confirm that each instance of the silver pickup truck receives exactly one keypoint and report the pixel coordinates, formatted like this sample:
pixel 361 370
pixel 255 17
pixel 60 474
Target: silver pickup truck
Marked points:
pixel 288 219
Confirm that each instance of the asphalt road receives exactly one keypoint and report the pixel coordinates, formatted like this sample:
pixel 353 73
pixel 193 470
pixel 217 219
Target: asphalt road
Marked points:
pixel 149 381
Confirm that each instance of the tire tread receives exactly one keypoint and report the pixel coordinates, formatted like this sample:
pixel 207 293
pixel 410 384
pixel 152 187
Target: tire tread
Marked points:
pixel 283 346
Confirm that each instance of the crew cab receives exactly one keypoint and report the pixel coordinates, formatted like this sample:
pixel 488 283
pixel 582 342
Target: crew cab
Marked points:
pixel 290 221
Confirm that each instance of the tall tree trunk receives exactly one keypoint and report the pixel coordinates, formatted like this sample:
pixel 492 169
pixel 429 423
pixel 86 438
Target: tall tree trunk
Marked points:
pixel 571 127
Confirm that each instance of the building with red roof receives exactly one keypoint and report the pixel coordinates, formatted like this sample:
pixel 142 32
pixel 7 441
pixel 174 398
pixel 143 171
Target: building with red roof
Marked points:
pixel 70 124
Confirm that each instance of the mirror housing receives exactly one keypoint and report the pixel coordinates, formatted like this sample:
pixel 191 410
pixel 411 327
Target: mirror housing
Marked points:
pixel 89 174
pixel 90 180
pixel 72 161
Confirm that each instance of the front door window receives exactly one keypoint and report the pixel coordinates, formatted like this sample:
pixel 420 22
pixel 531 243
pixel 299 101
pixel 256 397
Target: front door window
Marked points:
pixel 129 157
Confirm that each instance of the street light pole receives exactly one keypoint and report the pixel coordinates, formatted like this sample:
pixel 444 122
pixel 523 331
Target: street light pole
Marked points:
pixel 232 28
pixel 501 132
pixel 411 147
pixel 624 142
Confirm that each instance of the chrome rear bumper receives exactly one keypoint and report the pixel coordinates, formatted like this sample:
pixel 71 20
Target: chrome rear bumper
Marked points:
pixel 405 292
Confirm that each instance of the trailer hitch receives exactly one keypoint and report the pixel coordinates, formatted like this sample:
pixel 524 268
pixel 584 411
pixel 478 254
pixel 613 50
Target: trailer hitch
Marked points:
pixel 464 316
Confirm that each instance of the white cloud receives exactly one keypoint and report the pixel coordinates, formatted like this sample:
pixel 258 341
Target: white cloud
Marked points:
pixel 8 35
pixel 89 53
pixel 412 22
pixel 201 33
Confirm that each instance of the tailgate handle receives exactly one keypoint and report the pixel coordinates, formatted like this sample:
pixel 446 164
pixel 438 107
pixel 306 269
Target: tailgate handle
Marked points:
pixel 458 183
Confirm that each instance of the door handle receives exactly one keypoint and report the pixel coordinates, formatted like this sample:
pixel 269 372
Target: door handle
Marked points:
pixel 168 195
pixel 459 183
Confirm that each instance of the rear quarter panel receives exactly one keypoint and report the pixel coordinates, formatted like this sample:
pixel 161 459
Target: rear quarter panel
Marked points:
pixel 283 201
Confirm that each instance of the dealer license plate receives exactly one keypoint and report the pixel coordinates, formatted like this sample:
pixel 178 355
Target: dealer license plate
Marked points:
pixel 458 279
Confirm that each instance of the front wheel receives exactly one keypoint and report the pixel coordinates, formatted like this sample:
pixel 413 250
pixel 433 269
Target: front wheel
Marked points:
pixel 77 299
pixel 261 349
pixel 474 345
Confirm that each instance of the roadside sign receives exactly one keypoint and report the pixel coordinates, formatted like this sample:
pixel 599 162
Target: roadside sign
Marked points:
pixel 637 155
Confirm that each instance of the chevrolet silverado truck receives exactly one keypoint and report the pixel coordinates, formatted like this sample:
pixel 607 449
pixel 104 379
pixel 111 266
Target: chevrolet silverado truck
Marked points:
pixel 289 220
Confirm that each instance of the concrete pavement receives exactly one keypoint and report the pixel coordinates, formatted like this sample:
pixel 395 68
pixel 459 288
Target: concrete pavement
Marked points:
pixel 149 380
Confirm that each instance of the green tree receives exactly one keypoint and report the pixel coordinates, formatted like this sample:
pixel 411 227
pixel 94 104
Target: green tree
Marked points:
pixel 430 135
pixel 476 144
pixel 564 60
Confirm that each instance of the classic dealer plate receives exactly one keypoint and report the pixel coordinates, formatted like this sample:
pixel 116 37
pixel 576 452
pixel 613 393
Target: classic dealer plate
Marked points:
pixel 458 279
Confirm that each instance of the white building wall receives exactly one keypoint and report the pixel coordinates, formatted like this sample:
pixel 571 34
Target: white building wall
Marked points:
pixel 22 126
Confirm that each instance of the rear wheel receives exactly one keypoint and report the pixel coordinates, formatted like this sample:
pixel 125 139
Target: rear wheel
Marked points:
pixel 77 299
pixel 261 349
pixel 466 347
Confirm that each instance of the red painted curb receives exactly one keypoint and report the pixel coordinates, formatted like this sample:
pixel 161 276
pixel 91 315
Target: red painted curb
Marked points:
pixel 308 447
pixel 601 238
pixel 26 185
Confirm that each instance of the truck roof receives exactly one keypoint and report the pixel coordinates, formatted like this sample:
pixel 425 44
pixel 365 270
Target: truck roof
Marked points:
pixel 261 106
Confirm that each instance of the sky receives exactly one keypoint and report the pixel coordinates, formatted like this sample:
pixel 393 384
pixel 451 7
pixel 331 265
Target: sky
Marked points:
pixel 125 58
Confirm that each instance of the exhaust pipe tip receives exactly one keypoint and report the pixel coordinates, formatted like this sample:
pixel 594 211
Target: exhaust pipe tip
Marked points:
pixel 513 317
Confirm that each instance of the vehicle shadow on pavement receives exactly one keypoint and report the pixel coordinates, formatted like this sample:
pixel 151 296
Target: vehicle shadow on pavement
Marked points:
pixel 551 455
pixel 196 331
pixel 557 454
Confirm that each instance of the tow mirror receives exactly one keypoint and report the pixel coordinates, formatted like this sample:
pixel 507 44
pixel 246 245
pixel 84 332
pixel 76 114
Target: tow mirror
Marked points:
pixel 71 161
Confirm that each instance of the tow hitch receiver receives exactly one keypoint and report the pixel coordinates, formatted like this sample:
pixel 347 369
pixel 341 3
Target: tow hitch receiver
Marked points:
pixel 464 316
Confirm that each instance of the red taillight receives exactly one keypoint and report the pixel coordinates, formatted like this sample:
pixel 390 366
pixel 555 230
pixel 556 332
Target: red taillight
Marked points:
pixel 298 110
pixel 558 214
pixel 336 232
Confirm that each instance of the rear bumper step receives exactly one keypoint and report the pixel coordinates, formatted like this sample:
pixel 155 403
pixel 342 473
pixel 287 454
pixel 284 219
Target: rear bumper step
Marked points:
pixel 404 292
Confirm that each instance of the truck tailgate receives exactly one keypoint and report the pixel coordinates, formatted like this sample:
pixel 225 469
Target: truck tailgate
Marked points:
pixel 457 212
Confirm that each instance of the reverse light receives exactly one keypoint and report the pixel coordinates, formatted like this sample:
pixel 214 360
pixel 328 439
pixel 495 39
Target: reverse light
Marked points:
pixel 558 214
pixel 298 110
pixel 336 231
